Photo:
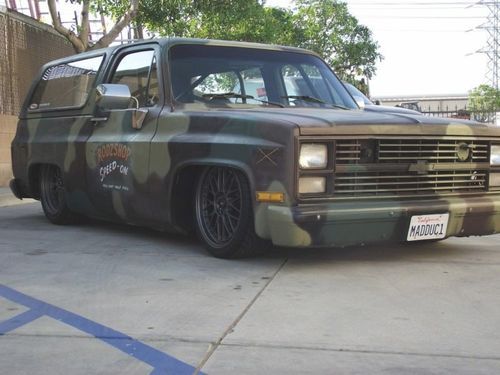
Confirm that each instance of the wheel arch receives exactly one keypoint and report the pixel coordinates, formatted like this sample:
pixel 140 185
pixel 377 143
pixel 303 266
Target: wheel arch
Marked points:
pixel 183 187
pixel 34 170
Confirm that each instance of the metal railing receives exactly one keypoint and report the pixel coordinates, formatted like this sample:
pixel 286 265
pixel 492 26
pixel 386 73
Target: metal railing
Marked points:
pixel 485 116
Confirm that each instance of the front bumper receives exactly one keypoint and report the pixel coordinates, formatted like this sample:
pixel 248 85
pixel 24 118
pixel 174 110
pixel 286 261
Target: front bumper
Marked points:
pixel 16 189
pixel 362 222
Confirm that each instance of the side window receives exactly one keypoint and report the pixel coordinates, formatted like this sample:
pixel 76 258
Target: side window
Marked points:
pixel 138 71
pixel 66 85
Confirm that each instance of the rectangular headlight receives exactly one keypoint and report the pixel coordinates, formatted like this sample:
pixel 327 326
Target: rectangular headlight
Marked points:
pixel 308 185
pixel 494 179
pixel 313 156
pixel 495 155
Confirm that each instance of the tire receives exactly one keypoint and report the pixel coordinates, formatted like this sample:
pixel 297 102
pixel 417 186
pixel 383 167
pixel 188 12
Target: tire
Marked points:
pixel 223 213
pixel 53 196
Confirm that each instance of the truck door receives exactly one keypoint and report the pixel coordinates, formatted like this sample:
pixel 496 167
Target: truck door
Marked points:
pixel 118 154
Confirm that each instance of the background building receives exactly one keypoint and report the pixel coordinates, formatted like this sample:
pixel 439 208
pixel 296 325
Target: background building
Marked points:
pixel 429 103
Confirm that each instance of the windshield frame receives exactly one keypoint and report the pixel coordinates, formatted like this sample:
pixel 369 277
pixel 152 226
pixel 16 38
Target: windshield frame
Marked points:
pixel 181 67
pixel 354 91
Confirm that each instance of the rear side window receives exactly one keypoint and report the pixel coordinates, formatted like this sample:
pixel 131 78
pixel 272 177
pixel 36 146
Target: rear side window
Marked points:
pixel 66 85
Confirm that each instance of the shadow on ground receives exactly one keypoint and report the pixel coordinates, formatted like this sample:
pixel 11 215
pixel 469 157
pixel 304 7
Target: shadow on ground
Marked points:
pixel 24 217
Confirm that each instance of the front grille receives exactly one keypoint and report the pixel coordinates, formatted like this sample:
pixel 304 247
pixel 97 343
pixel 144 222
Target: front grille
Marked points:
pixel 409 150
pixel 401 183
pixel 402 167
pixel 437 151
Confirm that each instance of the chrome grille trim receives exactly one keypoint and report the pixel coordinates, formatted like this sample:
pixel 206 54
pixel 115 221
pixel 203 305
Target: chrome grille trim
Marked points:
pixel 381 183
pixel 401 167
pixel 347 151
pixel 409 150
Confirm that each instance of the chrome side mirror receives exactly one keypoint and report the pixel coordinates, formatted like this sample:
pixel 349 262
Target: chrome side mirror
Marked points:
pixel 359 101
pixel 112 96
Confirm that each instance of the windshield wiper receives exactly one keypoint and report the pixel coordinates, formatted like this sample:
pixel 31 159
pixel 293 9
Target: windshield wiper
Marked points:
pixel 312 99
pixel 229 95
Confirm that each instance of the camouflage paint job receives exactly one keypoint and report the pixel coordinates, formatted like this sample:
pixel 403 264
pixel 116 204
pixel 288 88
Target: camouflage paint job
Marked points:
pixel 176 137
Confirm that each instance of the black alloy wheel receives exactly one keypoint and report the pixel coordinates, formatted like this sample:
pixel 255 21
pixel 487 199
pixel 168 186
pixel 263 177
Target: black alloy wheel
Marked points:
pixel 53 196
pixel 223 211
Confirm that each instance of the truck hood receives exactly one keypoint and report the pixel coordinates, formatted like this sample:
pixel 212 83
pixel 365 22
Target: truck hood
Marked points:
pixel 313 121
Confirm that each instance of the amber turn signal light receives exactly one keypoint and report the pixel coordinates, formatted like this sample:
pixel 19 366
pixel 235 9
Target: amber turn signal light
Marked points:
pixel 268 196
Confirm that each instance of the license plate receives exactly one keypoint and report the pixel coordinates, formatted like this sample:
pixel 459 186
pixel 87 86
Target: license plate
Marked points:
pixel 427 227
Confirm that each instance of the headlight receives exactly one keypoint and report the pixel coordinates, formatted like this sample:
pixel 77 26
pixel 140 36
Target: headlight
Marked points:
pixel 495 155
pixel 495 180
pixel 309 185
pixel 313 156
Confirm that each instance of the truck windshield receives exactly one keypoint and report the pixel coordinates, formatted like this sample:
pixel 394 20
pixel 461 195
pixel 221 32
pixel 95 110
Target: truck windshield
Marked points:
pixel 218 75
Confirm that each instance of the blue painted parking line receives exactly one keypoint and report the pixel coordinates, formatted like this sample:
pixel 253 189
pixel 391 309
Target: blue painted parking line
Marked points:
pixel 18 321
pixel 162 363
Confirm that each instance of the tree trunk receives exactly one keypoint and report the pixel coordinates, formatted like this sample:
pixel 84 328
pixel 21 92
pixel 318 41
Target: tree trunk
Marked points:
pixel 81 42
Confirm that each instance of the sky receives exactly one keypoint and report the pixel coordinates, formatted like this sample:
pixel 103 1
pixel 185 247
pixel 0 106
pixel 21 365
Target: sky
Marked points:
pixel 429 47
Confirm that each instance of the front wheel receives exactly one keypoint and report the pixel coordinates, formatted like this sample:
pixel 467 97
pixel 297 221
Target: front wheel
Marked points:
pixel 223 212
pixel 53 196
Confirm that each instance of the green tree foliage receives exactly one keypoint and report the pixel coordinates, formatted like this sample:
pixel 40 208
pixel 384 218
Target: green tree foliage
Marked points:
pixel 172 17
pixel 484 101
pixel 243 20
pixel 324 26
pixel 327 27
pixel 484 98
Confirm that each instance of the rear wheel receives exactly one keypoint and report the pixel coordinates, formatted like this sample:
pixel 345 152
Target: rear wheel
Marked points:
pixel 223 212
pixel 53 196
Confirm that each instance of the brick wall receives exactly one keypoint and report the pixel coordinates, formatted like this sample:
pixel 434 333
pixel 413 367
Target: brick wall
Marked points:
pixel 25 45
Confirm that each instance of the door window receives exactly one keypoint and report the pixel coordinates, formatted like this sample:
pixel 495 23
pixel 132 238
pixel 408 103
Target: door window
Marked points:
pixel 138 71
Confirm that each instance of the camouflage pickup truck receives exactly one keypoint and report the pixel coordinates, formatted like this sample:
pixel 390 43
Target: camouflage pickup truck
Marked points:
pixel 211 137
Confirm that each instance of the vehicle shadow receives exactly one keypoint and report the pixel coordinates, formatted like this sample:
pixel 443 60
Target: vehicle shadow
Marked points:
pixel 428 251
pixel 92 235
pixel 129 237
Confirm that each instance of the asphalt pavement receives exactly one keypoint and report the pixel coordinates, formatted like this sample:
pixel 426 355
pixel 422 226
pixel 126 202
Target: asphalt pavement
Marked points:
pixel 100 298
